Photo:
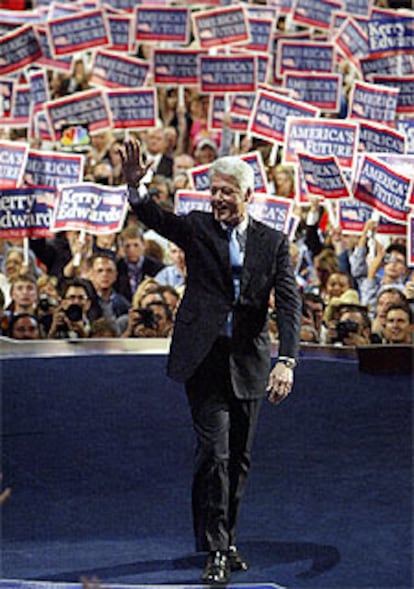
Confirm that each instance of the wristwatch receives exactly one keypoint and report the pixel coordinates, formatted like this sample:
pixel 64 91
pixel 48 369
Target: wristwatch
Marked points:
pixel 289 362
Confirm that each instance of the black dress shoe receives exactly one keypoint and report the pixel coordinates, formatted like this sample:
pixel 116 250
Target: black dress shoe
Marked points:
pixel 236 561
pixel 217 570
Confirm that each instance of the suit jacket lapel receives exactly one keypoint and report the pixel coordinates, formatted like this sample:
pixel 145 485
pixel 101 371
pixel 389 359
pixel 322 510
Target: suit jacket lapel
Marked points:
pixel 255 255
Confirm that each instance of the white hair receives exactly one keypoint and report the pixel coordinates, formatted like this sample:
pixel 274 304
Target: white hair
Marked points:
pixel 236 168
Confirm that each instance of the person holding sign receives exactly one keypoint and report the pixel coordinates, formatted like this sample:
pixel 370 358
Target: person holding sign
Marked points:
pixel 220 346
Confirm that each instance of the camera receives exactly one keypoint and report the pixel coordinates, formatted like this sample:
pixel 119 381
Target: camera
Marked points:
pixel 345 328
pixel 45 302
pixel 74 313
pixel 147 318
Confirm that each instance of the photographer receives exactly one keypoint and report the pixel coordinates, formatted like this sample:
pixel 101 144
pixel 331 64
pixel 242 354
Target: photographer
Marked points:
pixel 70 319
pixel 154 320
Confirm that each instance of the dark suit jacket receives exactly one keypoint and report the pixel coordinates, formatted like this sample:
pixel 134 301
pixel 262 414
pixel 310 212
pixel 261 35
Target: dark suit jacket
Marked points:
pixel 150 267
pixel 209 296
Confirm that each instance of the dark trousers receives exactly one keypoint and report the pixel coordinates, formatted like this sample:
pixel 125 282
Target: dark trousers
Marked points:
pixel 224 427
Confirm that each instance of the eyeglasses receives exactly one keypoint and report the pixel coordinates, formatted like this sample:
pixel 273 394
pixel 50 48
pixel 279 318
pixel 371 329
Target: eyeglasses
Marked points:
pixel 389 258
pixel 76 298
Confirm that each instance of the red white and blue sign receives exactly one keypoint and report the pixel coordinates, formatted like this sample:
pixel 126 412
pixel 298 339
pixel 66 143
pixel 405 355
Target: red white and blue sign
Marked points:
pixel 376 138
pixel 387 191
pixel 373 102
pixel 221 26
pixel 270 113
pixel 18 49
pixel 112 70
pixel 323 176
pixel 319 89
pixel 89 106
pixel 321 137
pixel 13 156
pixel 158 23
pixel 222 73
pixel 304 56
pixel 133 108
pixel 78 32
pixel 51 168
pixel 176 66
pixel 90 207
pixel 26 212
pixel 315 13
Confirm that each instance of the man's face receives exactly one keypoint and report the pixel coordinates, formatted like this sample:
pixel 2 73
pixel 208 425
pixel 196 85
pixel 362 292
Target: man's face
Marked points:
pixel 155 141
pixel 397 327
pixel 25 328
pixel 386 300
pixel 134 249
pixel 227 201
pixel 394 266
pixel 103 273
pixel 76 295
pixel 177 256
pixel 24 294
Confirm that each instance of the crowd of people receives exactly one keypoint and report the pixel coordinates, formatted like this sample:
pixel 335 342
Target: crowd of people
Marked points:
pixel 356 290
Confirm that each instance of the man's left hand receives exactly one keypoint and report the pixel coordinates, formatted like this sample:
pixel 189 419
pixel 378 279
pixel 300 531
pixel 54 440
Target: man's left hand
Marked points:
pixel 280 383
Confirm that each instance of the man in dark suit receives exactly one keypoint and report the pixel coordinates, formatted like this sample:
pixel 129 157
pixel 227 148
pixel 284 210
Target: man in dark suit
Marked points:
pixel 220 346
pixel 134 266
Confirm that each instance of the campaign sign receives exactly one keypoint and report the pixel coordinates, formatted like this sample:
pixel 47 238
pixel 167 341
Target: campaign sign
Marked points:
pixel 21 103
pixel 319 89
pixel 352 41
pixel 405 84
pixel 353 214
pixel 378 185
pixel 360 7
pixel 6 96
pixel 51 168
pixel 222 26
pixel 401 164
pixel 39 89
pixel 89 106
pixel 304 56
pixel 47 59
pixel 239 124
pixel 274 211
pixel 154 23
pixel 13 156
pixel 18 49
pixel 191 200
pixel 176 66
pixel 41 126
pixel 255 160
pixel 373 102
pixel 387 65
pixel 26 212
pixel 406 127
pixel 323 176
pixel 263 64
pixel 112 70
pixel 119 32
pixel 270 113
pixel 261 31
pixel 199 177
pixel 133 108
pixel 315 13
pixel 216 110
pixel 374 137
pixel 235 73
pixel 410 241
pixel 321 137
pixel 90 207
pixel 242 105
pixel 77 32
pixel 391 34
